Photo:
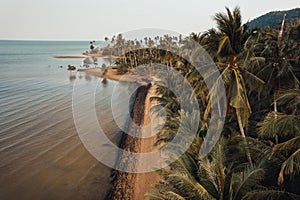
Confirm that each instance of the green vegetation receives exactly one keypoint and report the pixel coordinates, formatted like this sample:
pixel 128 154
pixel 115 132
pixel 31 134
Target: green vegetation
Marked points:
pixel 274 19
pixel 258 154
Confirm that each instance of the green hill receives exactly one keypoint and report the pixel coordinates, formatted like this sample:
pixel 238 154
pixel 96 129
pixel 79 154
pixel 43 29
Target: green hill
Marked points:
pixel 274 19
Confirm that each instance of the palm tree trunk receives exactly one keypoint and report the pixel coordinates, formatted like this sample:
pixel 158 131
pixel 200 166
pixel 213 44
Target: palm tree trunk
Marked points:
pixel 275 113
pixel 219 108
pixel 238 114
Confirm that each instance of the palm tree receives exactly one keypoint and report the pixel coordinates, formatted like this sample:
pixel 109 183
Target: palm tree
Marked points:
pixel 276 55
pixel 288 126
pixel 206 178
pixel 210 40
pixel 234 73
pixel 270 194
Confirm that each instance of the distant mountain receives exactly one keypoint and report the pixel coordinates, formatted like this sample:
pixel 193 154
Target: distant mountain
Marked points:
pixel 274 19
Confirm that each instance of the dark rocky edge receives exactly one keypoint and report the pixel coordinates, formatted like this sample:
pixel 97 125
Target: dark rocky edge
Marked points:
pixel 123 182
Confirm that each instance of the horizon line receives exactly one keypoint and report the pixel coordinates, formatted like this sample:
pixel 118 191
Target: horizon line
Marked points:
pixel 52 40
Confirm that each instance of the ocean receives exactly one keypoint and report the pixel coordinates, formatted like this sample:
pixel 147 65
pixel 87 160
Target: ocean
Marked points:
pixel 41 154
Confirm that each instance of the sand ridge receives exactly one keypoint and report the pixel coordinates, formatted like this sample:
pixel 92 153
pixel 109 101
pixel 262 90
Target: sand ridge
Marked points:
pixel 132 186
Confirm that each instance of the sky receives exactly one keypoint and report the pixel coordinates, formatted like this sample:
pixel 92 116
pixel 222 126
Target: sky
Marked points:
pixel 95 19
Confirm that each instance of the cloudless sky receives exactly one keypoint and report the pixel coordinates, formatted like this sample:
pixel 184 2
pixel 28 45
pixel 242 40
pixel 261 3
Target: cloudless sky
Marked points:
pixel 95 19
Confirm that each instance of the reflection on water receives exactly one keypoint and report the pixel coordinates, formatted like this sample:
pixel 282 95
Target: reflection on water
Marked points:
pixel 104 81
pixel 90 62
pixel 88 77
pixel 72 76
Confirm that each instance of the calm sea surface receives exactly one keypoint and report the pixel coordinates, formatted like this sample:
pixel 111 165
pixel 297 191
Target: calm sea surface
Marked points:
pixel 41 155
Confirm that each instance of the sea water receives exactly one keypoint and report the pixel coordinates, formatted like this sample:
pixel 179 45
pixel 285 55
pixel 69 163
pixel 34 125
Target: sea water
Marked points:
pixel 41 154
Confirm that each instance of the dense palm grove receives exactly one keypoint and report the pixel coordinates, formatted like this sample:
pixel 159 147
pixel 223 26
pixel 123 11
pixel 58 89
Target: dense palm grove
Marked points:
pixel 258 154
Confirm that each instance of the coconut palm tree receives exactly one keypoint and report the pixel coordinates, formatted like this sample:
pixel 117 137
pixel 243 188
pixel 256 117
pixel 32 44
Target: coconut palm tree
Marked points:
pixel 287 125
pixel 206 178
pixel 275 56
pixel 231 61
pixel 210 40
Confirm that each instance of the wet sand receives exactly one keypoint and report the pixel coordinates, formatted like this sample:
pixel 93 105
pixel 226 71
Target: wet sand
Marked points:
pixel 112 74
pixel 67 57
pixel 86 55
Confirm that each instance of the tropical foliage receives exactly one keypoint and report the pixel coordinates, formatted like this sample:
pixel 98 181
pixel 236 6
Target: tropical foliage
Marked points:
pixel 273 19
pixel 258 154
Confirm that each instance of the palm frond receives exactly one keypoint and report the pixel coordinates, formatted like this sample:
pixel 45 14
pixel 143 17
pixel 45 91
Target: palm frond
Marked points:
pixel 246 181
pixel 279 124
pixel 290 167
pixel 190 187
pixel 289 97
pixel 270 195
pixel 225 45
pixel 288 147
pixel 154 196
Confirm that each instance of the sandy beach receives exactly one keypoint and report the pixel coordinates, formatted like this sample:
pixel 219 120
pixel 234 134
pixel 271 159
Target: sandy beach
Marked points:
pixel 144 181
pixel 130 186
pixel 112 74
pixel 89 55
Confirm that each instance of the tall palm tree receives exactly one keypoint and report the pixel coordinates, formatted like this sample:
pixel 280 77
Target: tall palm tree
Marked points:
pixel 231 62
pixel 276 55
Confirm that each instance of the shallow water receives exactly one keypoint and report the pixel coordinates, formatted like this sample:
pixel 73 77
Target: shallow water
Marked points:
pixel 41 155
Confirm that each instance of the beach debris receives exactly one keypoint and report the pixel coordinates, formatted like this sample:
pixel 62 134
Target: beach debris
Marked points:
pixel 71 67
pixel 104 81
pixel 72 77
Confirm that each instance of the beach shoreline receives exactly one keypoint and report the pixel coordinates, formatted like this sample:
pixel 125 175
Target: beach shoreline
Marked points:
pixel 112 74
pixel 133 186
pixel 88 54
